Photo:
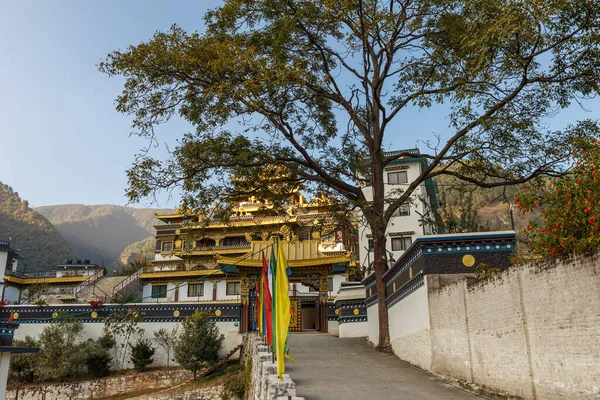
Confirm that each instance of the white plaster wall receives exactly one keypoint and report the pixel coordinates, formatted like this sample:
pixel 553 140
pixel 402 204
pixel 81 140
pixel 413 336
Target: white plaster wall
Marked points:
pixel 337 283
pixel 11 294
pixel 183 292
pixel 409 328
pixel 400 223
pixel 222 292
pixel 147 294
pixel 373 324
pixel 409 315
pixel 354 329
pixel 333 327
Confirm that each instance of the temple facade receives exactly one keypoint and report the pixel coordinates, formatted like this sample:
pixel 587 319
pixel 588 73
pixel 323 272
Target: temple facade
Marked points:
pixel 219 262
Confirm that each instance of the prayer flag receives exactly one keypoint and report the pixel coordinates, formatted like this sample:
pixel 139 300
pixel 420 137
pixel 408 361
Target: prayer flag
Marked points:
pixel 282 309
pixel 268 305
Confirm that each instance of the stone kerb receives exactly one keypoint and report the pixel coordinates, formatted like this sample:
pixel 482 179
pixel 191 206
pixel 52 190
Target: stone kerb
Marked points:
pixel 265 384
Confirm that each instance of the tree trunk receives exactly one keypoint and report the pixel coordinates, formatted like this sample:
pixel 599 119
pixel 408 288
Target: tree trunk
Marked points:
pixel 380 265
pixel 378 228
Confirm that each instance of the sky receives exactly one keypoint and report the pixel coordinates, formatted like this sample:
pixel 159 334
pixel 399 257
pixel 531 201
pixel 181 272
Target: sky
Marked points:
pixel 61 140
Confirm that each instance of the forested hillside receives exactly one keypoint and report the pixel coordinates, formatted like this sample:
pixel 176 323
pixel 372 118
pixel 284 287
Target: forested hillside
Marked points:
pixel 465 208
pixel 102 232
pixel 41 245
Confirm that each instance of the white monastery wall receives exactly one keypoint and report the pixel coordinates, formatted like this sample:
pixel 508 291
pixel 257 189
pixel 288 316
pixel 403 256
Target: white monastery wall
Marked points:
pixel 373 324
pixel 531 331
pixel 409 328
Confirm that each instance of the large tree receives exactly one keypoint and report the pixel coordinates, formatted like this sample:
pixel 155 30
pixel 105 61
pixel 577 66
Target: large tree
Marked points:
pixel 314 89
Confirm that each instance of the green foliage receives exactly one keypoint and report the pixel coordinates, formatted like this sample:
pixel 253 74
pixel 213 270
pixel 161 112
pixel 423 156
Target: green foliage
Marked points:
pixel 166 339
pixel 97 358
pixel 40 244
pixel 198 343
pixel 142 354
pixel 23 367
pixel 234 386
pixel 316 87
pixel 570 207
pixel 63 355
pixel 61 351
pixel 122 326
pixel 133 266
pixel 485 272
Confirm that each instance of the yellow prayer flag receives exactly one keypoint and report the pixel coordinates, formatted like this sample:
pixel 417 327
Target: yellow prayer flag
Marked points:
pixel 282 310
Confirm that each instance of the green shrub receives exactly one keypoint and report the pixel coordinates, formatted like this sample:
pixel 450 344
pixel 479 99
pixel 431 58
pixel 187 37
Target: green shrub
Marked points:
pixel 198 343
pixel 97 360
pixel 23 366
pixel 142 354
pixel 234 386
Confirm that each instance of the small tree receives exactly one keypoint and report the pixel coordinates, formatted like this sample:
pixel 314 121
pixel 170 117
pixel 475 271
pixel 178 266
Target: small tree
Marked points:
pixel 142 354
pixel 60 350
pixel 198 343
pixel 570 207
pixel 166 339
pixel 122 326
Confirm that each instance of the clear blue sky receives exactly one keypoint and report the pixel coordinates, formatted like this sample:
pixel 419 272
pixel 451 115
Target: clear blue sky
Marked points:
pixel 61 140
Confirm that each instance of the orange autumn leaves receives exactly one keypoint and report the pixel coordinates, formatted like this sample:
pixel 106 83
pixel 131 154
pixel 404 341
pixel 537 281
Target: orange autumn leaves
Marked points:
pixel 570 207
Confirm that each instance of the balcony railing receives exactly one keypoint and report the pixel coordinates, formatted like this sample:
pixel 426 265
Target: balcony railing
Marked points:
pixel 31 275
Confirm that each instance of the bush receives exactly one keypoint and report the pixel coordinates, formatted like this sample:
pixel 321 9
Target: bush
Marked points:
pixel 234 386
pixel 142 354
pixel 97 360
pixel 199 342
pixel 23 366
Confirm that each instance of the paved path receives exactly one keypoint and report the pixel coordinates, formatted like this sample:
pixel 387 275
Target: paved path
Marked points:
pixel 330 368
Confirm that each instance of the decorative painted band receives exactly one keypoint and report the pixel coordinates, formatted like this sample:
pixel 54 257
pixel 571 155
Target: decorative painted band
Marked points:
pixel 220 312
pixel 405 290
pixel 354 318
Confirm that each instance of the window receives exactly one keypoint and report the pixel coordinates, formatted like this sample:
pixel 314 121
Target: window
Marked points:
pixel 167 246
pixel 367 180
pixel 370 245
pixel 159 291
pixel 195 290
pixel 235 241
pixel 402 211
pixel 395 178
pixel 188 245
pixel 401 243
pixel 233 288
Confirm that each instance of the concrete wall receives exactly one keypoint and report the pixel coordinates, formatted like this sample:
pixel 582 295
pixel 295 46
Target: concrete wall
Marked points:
pixel 353 329
pixel 409 328
pixel 532 331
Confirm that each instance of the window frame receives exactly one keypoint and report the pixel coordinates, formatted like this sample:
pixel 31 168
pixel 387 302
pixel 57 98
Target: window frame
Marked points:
pixel 397 174
pixel 402 240
pixel 195 287
pixel 236 286
pixel 159 294
pixel 162 246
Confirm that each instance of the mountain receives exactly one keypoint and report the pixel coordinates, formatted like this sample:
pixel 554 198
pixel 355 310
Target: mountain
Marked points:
pixel 103 232
pixel 465 208
pixel 40 244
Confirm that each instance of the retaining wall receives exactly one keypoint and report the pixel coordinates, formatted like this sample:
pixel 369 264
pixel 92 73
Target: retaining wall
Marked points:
pixel 265 385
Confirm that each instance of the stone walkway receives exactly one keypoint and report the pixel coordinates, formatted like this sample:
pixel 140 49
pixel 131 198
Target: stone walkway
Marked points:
pixel 330 368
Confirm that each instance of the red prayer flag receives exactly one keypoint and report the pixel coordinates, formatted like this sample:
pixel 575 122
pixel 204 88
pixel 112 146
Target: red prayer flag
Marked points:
pixel 268 302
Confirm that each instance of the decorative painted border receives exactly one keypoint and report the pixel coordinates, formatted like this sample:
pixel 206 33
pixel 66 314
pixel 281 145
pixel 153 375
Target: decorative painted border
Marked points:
pixel 407 289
